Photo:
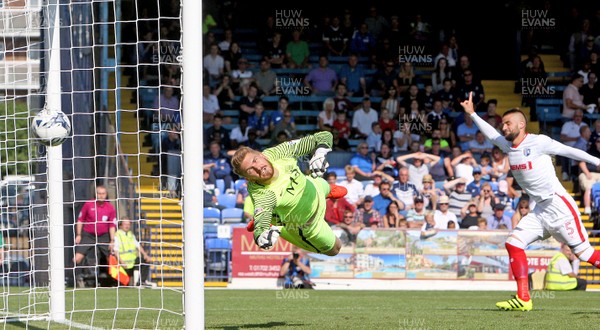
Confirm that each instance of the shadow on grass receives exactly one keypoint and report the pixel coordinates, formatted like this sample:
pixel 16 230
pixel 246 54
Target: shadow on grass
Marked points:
pixel 586 312
pixel 20 324
pixel 259 325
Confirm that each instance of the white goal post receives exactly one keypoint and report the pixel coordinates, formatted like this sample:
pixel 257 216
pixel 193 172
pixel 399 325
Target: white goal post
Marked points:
pixel 107 64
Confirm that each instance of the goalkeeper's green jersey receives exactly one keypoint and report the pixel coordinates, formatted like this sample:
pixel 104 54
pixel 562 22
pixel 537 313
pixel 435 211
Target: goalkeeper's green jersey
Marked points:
pixel 292 197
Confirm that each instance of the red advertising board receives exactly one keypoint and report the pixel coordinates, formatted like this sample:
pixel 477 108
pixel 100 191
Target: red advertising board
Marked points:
pixel 250 261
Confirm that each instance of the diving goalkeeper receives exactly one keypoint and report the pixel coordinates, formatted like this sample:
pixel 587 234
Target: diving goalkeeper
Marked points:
pixel 287 202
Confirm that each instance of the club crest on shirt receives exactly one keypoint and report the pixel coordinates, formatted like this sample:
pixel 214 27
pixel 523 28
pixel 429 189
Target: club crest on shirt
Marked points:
pixel 526 152
pixel 292 142
pixel 257 211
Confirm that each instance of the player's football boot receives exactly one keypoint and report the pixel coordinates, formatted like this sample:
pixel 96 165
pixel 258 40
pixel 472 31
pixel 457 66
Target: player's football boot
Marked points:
pixel 515 304
pixel 250 226
pixel 336 191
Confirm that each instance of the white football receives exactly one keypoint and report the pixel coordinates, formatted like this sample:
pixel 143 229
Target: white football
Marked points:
pixel 51 127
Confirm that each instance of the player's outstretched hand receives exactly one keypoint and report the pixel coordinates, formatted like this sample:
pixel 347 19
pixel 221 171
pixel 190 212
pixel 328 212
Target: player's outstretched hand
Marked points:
pixel 468 104
pixel 318 164
pixel 268 238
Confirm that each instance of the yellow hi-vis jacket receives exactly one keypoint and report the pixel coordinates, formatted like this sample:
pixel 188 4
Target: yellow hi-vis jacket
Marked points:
pixel 557 281
pixel 127 248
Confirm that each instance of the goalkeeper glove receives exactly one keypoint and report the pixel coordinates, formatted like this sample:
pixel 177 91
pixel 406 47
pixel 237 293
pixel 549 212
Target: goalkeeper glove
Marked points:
pixel 318 164
pixel 268 238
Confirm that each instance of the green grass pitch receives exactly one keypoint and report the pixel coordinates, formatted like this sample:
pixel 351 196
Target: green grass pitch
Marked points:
pixel 326 309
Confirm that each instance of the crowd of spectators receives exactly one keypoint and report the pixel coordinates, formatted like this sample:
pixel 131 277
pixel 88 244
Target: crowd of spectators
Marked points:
pixel 417 161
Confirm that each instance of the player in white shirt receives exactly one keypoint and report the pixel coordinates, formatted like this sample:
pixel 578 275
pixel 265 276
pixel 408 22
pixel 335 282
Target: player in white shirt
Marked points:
pixel 555 214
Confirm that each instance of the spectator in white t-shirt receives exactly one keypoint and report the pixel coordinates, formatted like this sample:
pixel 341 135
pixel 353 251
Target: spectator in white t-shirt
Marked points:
pixel 210 104
pixel 363 118
pixel 355 188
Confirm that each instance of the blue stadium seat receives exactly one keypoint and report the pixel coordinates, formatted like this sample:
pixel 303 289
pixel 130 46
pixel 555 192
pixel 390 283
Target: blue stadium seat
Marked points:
pixel 232 215
pixel 238 183
pixel 212 215
pixel 338 158
pixel 220 184
pixel 339 171
pixel 227 200
pixel 217 258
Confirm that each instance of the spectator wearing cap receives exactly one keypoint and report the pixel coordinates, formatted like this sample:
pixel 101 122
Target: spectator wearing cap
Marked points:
pixel 458 195
pixel 416 216
pixel 363 118
pixel 355 187
pixel 475 186
pixel 404 189
pixel 372 189
pixel 367 214
pixel 469 214
pixel 242 77
pixel 442 215
pixel 499 220
pixel 385 197
pixel 429 192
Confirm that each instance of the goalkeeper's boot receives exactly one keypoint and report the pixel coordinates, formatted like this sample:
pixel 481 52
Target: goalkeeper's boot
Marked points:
pixel 250 226
pixel 336 191
pixel 515 304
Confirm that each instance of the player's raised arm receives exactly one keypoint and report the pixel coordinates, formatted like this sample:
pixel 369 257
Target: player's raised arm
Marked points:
pixel 300 147
pixel 490 132
pixel 554 147
pixel 319 143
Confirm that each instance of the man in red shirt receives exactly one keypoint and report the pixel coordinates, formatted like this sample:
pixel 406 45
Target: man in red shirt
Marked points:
pixel 96 227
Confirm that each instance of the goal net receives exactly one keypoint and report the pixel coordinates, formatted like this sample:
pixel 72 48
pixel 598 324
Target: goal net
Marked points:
pixel 109 66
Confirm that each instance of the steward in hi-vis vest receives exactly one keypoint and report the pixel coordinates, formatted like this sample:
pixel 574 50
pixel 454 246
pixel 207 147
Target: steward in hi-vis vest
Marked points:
pixel 562 272
pixel 128 252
